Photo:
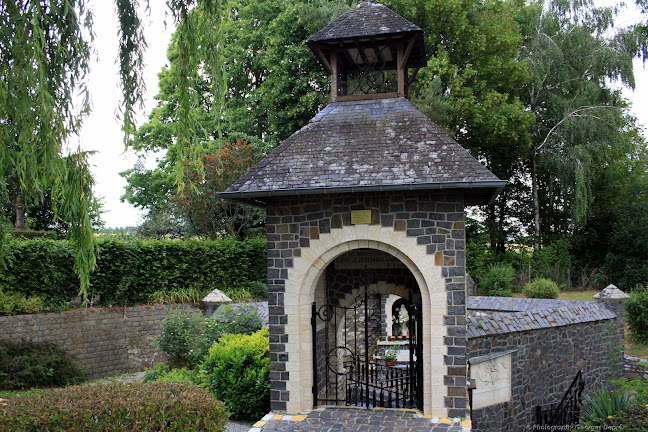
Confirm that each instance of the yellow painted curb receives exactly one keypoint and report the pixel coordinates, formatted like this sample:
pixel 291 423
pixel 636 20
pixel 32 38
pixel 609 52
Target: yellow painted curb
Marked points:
pixel 466 423
pixel 445 420
pixel 298 418
pixel 277 417
pixel 259 424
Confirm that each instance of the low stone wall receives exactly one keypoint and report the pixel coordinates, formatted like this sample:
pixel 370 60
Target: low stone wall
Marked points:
pixel 632 367
pixel 106 341
pixel 547 342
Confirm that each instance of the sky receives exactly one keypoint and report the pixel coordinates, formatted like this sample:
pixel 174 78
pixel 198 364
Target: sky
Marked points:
pixel 102 131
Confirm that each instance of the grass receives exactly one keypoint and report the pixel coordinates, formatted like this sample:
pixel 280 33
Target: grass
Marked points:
pixel 577 295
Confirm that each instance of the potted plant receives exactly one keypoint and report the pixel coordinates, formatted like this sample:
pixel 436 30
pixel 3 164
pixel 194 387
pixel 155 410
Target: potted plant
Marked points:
pixel 391 355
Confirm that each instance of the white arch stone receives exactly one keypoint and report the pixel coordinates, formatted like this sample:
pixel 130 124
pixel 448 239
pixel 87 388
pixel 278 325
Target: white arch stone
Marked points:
pixel 300 289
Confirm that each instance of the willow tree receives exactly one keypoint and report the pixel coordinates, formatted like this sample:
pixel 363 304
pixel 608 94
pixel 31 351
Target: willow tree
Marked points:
pixel 45 47
pixel 580 120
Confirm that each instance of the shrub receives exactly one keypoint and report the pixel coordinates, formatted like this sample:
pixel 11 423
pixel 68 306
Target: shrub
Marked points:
pixel 637 314
pixel 601 404
pixel 163 373
pixel 237 372
pixel 115 407
pixel 179 336
pixel 12 303
pixel 228 319
pixel 634 418
pixel 541 288
pixel 497 281
pixel 129 271
pixel 28 364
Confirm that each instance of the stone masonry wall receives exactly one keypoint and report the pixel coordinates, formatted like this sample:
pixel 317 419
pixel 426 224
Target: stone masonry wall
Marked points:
pixel 435 219
pixel 105 341
pixel 543 367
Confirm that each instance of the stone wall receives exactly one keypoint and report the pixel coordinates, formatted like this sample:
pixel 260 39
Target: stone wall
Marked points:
pixel 634 367
pixel 105 341
pixel 433 222
pixel 544 363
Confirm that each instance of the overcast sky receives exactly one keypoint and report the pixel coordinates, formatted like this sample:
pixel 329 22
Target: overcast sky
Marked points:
pixel 101 131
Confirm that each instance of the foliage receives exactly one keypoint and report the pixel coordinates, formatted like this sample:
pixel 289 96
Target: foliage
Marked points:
pixel 199 203
pixel 179 336
pixel 541 288
pixel 601 405
pixel 176 406
pixel 637 314
pixel 26 364
pixel 497 281
pixel 636 386
pixel 237 372
pixel 162 372
pixel 16 303
pixel 187 337
pixel 130 271
pixel 44 58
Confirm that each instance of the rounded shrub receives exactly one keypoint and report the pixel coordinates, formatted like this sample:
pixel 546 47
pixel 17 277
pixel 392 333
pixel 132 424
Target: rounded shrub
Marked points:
pixel 180 332
pixel 541 288
pixel 497 280
pixel 26 364
pixel 637 314
pixel 237 372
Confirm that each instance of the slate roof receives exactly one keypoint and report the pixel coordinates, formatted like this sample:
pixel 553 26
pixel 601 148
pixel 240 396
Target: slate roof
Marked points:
pixel 488 316
pixel 369 20
pixel 363 146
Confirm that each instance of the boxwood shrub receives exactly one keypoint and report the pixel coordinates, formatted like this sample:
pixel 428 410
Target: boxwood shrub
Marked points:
pixel 237 372
pixel 541 288
pixel 176 406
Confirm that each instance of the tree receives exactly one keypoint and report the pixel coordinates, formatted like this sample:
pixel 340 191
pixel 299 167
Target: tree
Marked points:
pixel 199 202
pixel 274 85
pixel 474 74
pixel 580 121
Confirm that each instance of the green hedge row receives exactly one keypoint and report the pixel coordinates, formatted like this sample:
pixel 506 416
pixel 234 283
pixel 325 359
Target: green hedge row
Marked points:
pixel 115 407
pixel 129 271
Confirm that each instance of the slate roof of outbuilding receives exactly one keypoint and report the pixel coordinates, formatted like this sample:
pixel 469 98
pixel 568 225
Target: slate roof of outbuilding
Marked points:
pixel 369 145
pixel 489 316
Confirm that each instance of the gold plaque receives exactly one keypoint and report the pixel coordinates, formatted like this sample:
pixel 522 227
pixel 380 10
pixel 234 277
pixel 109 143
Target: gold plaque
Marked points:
pixel 360 217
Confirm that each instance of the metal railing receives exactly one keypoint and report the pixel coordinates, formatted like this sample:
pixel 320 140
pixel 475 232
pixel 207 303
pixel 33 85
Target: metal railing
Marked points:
pixel 567 411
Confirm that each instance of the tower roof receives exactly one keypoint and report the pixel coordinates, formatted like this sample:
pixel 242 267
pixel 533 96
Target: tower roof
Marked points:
pixel 364 146
pixel 369 25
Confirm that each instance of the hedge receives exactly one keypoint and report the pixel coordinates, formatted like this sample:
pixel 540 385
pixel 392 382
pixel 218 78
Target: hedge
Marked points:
pixel 129 271
pixel 178 406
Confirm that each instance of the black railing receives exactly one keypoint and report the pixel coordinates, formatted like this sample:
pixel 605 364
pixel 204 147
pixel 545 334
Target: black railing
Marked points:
pixel 376 385
pixel 566 413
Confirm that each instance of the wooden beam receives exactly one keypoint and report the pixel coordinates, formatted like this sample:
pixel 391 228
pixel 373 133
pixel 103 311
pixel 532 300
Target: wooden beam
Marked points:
pixel 410 45
pixel 334 77
pixel 401 72
pixel 321 55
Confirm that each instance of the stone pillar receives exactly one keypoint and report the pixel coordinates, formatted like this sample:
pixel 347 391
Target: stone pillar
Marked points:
pixel 213 300
pixel 614 299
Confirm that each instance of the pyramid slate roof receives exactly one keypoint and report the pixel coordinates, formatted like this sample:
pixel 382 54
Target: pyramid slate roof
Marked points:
pixel 369 20
pixel 364 146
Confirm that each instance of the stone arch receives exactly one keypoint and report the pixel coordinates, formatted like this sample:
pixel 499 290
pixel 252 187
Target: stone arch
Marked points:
pixel 304 278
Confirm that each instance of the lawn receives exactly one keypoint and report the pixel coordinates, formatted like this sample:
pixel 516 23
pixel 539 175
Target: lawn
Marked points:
pixel 577 295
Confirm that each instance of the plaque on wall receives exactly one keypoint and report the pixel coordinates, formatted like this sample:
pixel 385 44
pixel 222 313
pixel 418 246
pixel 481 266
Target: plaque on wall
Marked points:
pixel 361 217
pixel 492 375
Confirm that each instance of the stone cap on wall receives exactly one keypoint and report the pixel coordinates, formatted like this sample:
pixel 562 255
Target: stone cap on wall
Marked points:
pixel 500 315
pixel 611 292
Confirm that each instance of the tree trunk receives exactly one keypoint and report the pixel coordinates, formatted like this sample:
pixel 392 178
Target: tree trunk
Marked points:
pixel 20 214
pixel 536 203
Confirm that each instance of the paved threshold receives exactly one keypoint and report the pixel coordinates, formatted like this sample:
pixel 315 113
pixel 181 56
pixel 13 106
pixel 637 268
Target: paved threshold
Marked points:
pixel 334 419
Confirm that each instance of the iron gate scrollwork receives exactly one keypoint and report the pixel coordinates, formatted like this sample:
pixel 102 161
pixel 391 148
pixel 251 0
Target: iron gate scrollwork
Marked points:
pixel 344 374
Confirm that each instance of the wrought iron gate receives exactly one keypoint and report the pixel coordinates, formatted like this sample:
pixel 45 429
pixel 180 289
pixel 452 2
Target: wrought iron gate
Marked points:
pixel 344 373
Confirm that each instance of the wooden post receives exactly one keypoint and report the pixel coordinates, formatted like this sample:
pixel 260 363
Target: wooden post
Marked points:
pixel 400 67
pixel 334 77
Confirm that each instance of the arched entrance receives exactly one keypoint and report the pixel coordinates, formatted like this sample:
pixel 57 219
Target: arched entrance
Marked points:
pixel 358 360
